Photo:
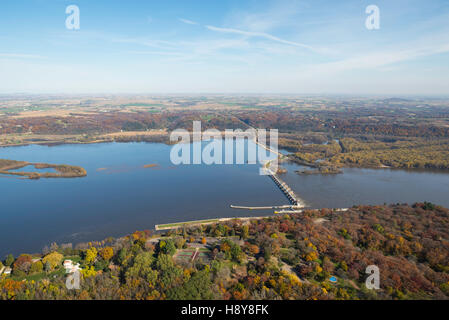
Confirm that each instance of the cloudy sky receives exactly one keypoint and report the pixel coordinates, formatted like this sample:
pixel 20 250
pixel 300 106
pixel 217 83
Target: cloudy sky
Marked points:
pixel 225 46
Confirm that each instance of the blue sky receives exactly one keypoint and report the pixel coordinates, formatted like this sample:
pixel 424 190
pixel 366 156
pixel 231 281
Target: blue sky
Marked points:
pixel 221 46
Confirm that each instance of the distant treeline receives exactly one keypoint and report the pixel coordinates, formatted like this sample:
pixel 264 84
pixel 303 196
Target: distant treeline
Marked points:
pixel 343 122
pixel 406 153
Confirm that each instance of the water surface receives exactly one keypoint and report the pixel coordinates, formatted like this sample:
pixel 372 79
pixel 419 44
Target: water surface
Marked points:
pixel 119 196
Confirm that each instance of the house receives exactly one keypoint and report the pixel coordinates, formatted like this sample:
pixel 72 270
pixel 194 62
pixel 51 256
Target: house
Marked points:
pixel 70 267
pixel 67 263
pixel 7 271
pixel 1 270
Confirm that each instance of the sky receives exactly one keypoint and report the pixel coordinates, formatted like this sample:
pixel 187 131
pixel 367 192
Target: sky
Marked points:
pixel 225 46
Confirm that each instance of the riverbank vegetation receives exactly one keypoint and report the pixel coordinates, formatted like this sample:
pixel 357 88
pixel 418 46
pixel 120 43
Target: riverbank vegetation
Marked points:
pixel 7 167
pixel 282 257
pixel 410 153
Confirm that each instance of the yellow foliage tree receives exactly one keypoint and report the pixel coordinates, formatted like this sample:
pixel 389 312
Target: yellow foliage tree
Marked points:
pixel 91 255
pixel 88 272
pixel 311 256
pixel 107 253
pixel 54 259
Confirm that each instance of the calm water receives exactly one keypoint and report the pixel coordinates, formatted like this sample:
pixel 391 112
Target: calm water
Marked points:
pixel 119 196
pixel 369 186
pixel 31 168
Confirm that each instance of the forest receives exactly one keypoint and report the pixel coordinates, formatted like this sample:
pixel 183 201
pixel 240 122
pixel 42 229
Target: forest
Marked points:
pixel 369 152
pixel 280 257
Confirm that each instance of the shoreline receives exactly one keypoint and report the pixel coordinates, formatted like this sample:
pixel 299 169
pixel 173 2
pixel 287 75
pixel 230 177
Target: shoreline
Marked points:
pixel 116 136
pixel 55 140
pixel 204 222
pixel 195 223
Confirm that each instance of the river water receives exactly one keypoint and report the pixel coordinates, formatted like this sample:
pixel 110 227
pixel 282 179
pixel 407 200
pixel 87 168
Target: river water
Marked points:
pixel 119 195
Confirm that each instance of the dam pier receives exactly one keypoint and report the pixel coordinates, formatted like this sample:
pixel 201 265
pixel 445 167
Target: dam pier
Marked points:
pixel 294 200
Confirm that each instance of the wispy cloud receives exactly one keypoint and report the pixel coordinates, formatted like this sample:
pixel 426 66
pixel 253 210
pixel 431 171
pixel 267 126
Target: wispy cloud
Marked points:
pixel 20 56
pixel 156 53
pixel 153 43
pixel 376 60
pixel 186 21
pixel 260 35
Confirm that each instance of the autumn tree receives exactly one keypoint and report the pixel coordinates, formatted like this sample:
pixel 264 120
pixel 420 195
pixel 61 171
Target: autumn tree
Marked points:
pixel 254 249
pixel 90 255
pixel 22 264
pixel 54 259
pixel 106 253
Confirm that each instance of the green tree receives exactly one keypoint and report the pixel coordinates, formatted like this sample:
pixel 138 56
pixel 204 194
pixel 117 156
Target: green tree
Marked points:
pixel 245 232
pixel 180 242
pixel 169 273
pixel 37 267
pixel 236 253
pixel 47 266
pixel 267 252
pixel 142 268
pixel 164 262
pixel 101 265
pixel 198 287
pixel 122 257
pixel 9 260
pixel 167 247
pixel 171 277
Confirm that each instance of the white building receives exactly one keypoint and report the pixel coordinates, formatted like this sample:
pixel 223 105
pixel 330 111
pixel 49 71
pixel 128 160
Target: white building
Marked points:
pixel 70 267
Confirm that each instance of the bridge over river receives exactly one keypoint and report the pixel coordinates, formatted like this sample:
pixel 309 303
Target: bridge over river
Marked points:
pixel 295 202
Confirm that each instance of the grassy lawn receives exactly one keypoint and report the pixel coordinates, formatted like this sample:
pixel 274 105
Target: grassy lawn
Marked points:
pixel 40 276
pixel 180 224
pixel 75 259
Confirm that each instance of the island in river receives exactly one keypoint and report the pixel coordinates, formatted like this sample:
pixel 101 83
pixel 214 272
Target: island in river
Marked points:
pixel 61 170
